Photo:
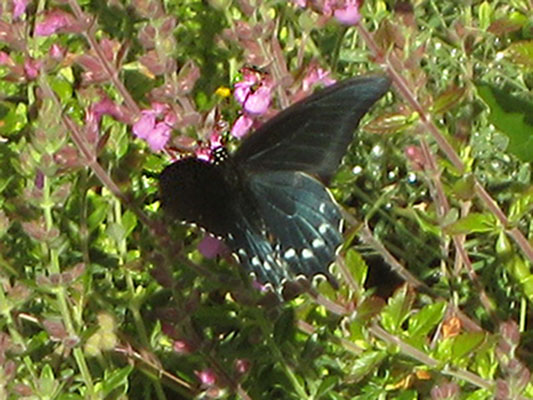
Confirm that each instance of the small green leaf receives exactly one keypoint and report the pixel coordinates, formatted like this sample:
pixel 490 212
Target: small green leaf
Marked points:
pixel 284 328
pixel 357 266
pixel 473 222
pixel 397 309
pixel 367 363
pixel 62 88
pixel 98 214
pixel 513 116
pixel 484 15
pixel 448 99
pixel 116 379
pixel 465 343
pixel 521 53
pixel 12 119
pixel 390 123
pixel 426 319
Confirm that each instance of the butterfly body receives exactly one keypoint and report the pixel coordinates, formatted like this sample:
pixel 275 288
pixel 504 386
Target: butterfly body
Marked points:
pixel 268 200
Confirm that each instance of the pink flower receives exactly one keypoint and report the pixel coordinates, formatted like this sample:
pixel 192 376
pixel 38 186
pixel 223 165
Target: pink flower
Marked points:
pixel 5 59
pixel 155 126
pixel 300 3
pixel 207 376
pixel 316 75
pixel 349 14
pixel 181 347
pixel 54 21
pixel 257 103
pixel 32 68
pixel 241 126
pixel 57 52
pixel 243 88
pixel 19 7
pixel 254 94
pixel 210 247
pixel 242 366
pixel 159 136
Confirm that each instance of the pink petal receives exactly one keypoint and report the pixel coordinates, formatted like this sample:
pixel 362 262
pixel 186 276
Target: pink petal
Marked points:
pixel 32 68
pixel 241 126
pixel 210 247
pixel 19 7
pixel 258 102
pixel 54 21
pixel 349 15
pixel 144 125
pixel 159 136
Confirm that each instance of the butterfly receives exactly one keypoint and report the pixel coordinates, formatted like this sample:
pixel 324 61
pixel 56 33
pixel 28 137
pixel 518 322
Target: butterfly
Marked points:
pixel 268 200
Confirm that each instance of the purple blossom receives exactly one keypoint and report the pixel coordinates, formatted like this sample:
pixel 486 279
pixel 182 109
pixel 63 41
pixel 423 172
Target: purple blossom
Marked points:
pixel 54 21
pixel 254 94
pixel 210 247
pixel 316 75
pixel 5 59
pixel 57 52
pixel 241 126
pixel 349 14
pixel 19 7
pixel 257 103
pixel 206 376
pixel 155 126
pixel 243 88
pixel 32 68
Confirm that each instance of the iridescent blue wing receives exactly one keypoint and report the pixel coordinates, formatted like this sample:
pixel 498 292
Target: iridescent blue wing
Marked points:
pixel 302 219
pixel 312 135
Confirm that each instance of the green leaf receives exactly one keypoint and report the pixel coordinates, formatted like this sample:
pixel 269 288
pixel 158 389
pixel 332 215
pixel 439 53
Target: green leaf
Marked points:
pixel 521 53
pixel 465 343
pixel 426 319
pixel 284 329
pixel 513 116
pixel 397 309
pixel 448 99
pixel 367 363
pixel 473 222
pixel 12 119
pixel 407 395
pixel 116 379
pixel 47 382
pixel 357 266
pixel 62 88
pixel 484 15
pixel 98 214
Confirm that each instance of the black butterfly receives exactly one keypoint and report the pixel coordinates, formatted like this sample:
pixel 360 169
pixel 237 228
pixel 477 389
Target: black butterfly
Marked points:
pixel 268 200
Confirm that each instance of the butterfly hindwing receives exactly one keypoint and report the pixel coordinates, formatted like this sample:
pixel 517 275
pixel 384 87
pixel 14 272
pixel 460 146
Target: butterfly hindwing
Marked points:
pixel 312 135
pixel 302 218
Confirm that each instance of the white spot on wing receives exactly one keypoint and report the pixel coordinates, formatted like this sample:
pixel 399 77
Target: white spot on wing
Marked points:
pixel 256 262
pixel 289 253
pixel 323 228
pixel 322 208
pixel 307 253
pixel 267 266
pixel 318 243
pixel 242 252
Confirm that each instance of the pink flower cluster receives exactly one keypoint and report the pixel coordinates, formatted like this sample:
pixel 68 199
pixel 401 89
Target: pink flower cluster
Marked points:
pixel 155 125
pixel 254 93
pixel 344 11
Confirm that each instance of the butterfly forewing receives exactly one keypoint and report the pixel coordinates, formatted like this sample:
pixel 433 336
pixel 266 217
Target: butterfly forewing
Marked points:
pixel 312 135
